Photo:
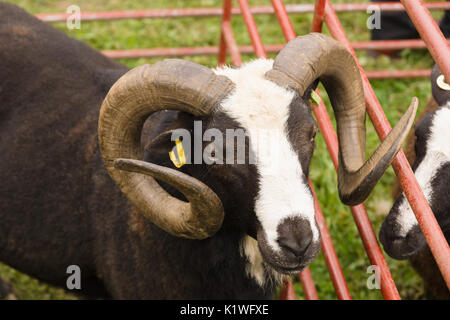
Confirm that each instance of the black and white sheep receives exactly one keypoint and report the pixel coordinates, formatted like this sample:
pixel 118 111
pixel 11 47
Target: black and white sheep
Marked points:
pixel 204 231
pixel 428 150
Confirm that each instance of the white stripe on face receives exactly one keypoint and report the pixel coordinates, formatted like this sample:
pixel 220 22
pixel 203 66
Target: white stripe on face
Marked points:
pixel 437 153
pixel 262 108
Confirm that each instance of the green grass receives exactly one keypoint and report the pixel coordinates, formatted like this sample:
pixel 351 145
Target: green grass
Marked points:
pixel 394 96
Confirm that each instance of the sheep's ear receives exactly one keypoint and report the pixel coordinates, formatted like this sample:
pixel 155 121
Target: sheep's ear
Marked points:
pixel 441 95
pixel 169 149
pixel 160 144
pixel 308 91
pixel 159 148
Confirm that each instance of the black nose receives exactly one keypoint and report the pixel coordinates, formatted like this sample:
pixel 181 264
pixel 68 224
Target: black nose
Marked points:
pixel 401 247
pixel 295 236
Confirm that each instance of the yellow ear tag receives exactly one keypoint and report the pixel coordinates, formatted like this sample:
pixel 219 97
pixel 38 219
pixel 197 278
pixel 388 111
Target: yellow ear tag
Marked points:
pixel 315 99
pixel 181 160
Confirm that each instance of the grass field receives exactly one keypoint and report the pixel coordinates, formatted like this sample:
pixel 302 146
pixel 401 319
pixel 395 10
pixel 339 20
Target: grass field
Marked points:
pixel 394 96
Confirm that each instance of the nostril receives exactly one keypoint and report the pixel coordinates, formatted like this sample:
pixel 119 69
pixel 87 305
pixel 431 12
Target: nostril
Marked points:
pixel 415 238
pixel 295 236
pixel 297 248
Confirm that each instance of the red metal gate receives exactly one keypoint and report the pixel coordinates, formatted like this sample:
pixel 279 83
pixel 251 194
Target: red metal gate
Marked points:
pixel 325 12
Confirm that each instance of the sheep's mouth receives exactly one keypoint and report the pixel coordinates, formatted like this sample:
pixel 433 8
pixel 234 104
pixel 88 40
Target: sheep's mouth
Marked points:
pixel 283 262
pixel 401 248
pixel 286 270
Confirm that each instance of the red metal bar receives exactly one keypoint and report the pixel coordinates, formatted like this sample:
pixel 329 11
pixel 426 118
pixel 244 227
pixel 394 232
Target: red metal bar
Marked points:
pixel 429 31
pixel 308 285
pixel 329 253
pixel 398 74
pixel 390 44
pixel 273 48
pixel 231 44
pixel 283 19
pixel 222 52
pixel 216 12
pixel 227 41
pixel 319 13
pixel 287 291
pixel 252 30
pixel 430 228
pixel 384 6
pixel 162 52
pixel 226 16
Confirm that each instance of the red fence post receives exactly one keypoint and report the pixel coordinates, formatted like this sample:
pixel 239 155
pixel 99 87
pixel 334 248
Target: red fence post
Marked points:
pixel 287 291
pixel 217 12
pixel 329 253
pixel 283 19
pixel 308 285
pixel 227 38
pixel 319 13
pixel 252 30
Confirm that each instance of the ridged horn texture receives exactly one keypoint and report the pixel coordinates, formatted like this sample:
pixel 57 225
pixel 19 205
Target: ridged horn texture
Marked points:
pixel 170 84
pixel 316 56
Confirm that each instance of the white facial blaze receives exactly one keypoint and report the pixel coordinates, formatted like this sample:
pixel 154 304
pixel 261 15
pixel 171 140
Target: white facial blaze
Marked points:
pixel 262 108
pixel 437 153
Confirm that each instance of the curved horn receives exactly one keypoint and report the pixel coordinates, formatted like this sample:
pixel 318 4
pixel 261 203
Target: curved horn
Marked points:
pixel 440 88
pixel 316 56
pixel 170 84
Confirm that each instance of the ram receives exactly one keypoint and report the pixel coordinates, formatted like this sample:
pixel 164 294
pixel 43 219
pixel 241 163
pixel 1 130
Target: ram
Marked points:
pixel 218 230
pixel 428 150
